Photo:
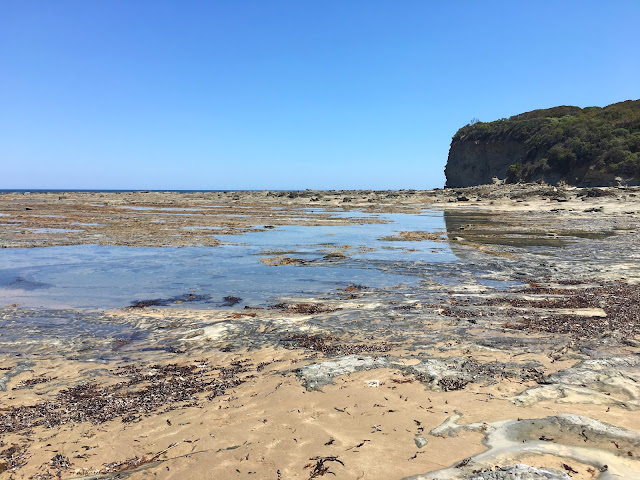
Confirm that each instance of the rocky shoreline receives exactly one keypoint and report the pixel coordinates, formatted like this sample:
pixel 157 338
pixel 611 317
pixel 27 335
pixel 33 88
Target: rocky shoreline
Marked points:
pixel 518 360
pixel 187 219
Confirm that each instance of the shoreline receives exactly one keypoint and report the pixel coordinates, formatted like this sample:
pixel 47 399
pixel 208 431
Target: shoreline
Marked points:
pixel 537 319
pixel 191 219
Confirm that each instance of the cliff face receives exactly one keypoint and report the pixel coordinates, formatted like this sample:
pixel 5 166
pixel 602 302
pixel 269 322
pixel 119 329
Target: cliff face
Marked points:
pixel 473 163
pixel 476 163
pixel 590 146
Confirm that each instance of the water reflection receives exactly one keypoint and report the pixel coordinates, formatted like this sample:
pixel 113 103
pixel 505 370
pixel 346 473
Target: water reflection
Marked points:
pixel 493 229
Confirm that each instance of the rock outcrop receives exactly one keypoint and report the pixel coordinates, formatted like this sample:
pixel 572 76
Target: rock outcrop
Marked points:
pixel 477 163
pixel 584 147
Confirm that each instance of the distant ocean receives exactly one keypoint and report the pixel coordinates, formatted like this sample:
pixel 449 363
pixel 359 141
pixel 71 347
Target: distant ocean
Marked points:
pixel 62 190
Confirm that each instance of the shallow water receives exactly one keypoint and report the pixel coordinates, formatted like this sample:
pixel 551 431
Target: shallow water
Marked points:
pixel 99 277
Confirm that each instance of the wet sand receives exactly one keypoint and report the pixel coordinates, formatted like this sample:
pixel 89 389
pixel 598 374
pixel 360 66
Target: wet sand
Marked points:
pixel 526 350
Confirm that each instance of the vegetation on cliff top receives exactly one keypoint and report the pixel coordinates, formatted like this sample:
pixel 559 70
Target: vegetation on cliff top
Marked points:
pixel 565 139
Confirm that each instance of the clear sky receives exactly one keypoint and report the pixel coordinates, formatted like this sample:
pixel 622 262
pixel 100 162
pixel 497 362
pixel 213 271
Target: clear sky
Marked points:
pixel 297 94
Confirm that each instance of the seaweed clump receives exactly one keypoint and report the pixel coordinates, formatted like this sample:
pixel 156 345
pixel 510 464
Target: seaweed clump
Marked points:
pixel 328 345
pixel 621 303
pixel 304 308
pixel 163 302
pixel 145 392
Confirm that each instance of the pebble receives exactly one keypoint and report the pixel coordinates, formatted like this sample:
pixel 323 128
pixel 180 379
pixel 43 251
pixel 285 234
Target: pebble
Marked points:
pixel 420 441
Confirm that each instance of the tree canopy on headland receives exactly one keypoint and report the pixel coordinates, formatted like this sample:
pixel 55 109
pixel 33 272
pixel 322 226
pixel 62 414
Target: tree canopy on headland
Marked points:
pixel 562 140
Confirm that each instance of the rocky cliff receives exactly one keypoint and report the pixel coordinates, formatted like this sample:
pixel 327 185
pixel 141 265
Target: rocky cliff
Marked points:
pixel 476 163
pixel 586 147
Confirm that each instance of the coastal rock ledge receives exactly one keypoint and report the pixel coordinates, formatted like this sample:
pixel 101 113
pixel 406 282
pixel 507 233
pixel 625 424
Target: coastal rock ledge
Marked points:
pixel 586 147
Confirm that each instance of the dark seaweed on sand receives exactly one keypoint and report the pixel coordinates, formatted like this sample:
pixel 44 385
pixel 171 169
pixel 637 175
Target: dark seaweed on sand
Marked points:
pixel 146 391
pixel 320 467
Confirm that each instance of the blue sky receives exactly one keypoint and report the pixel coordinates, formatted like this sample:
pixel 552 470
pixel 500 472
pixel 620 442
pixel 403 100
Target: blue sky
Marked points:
pixel 287 94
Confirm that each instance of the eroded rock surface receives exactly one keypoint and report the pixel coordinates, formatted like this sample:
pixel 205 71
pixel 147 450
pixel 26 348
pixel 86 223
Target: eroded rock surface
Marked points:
pixel 602 381
pixel 601 446
pixel 521 472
